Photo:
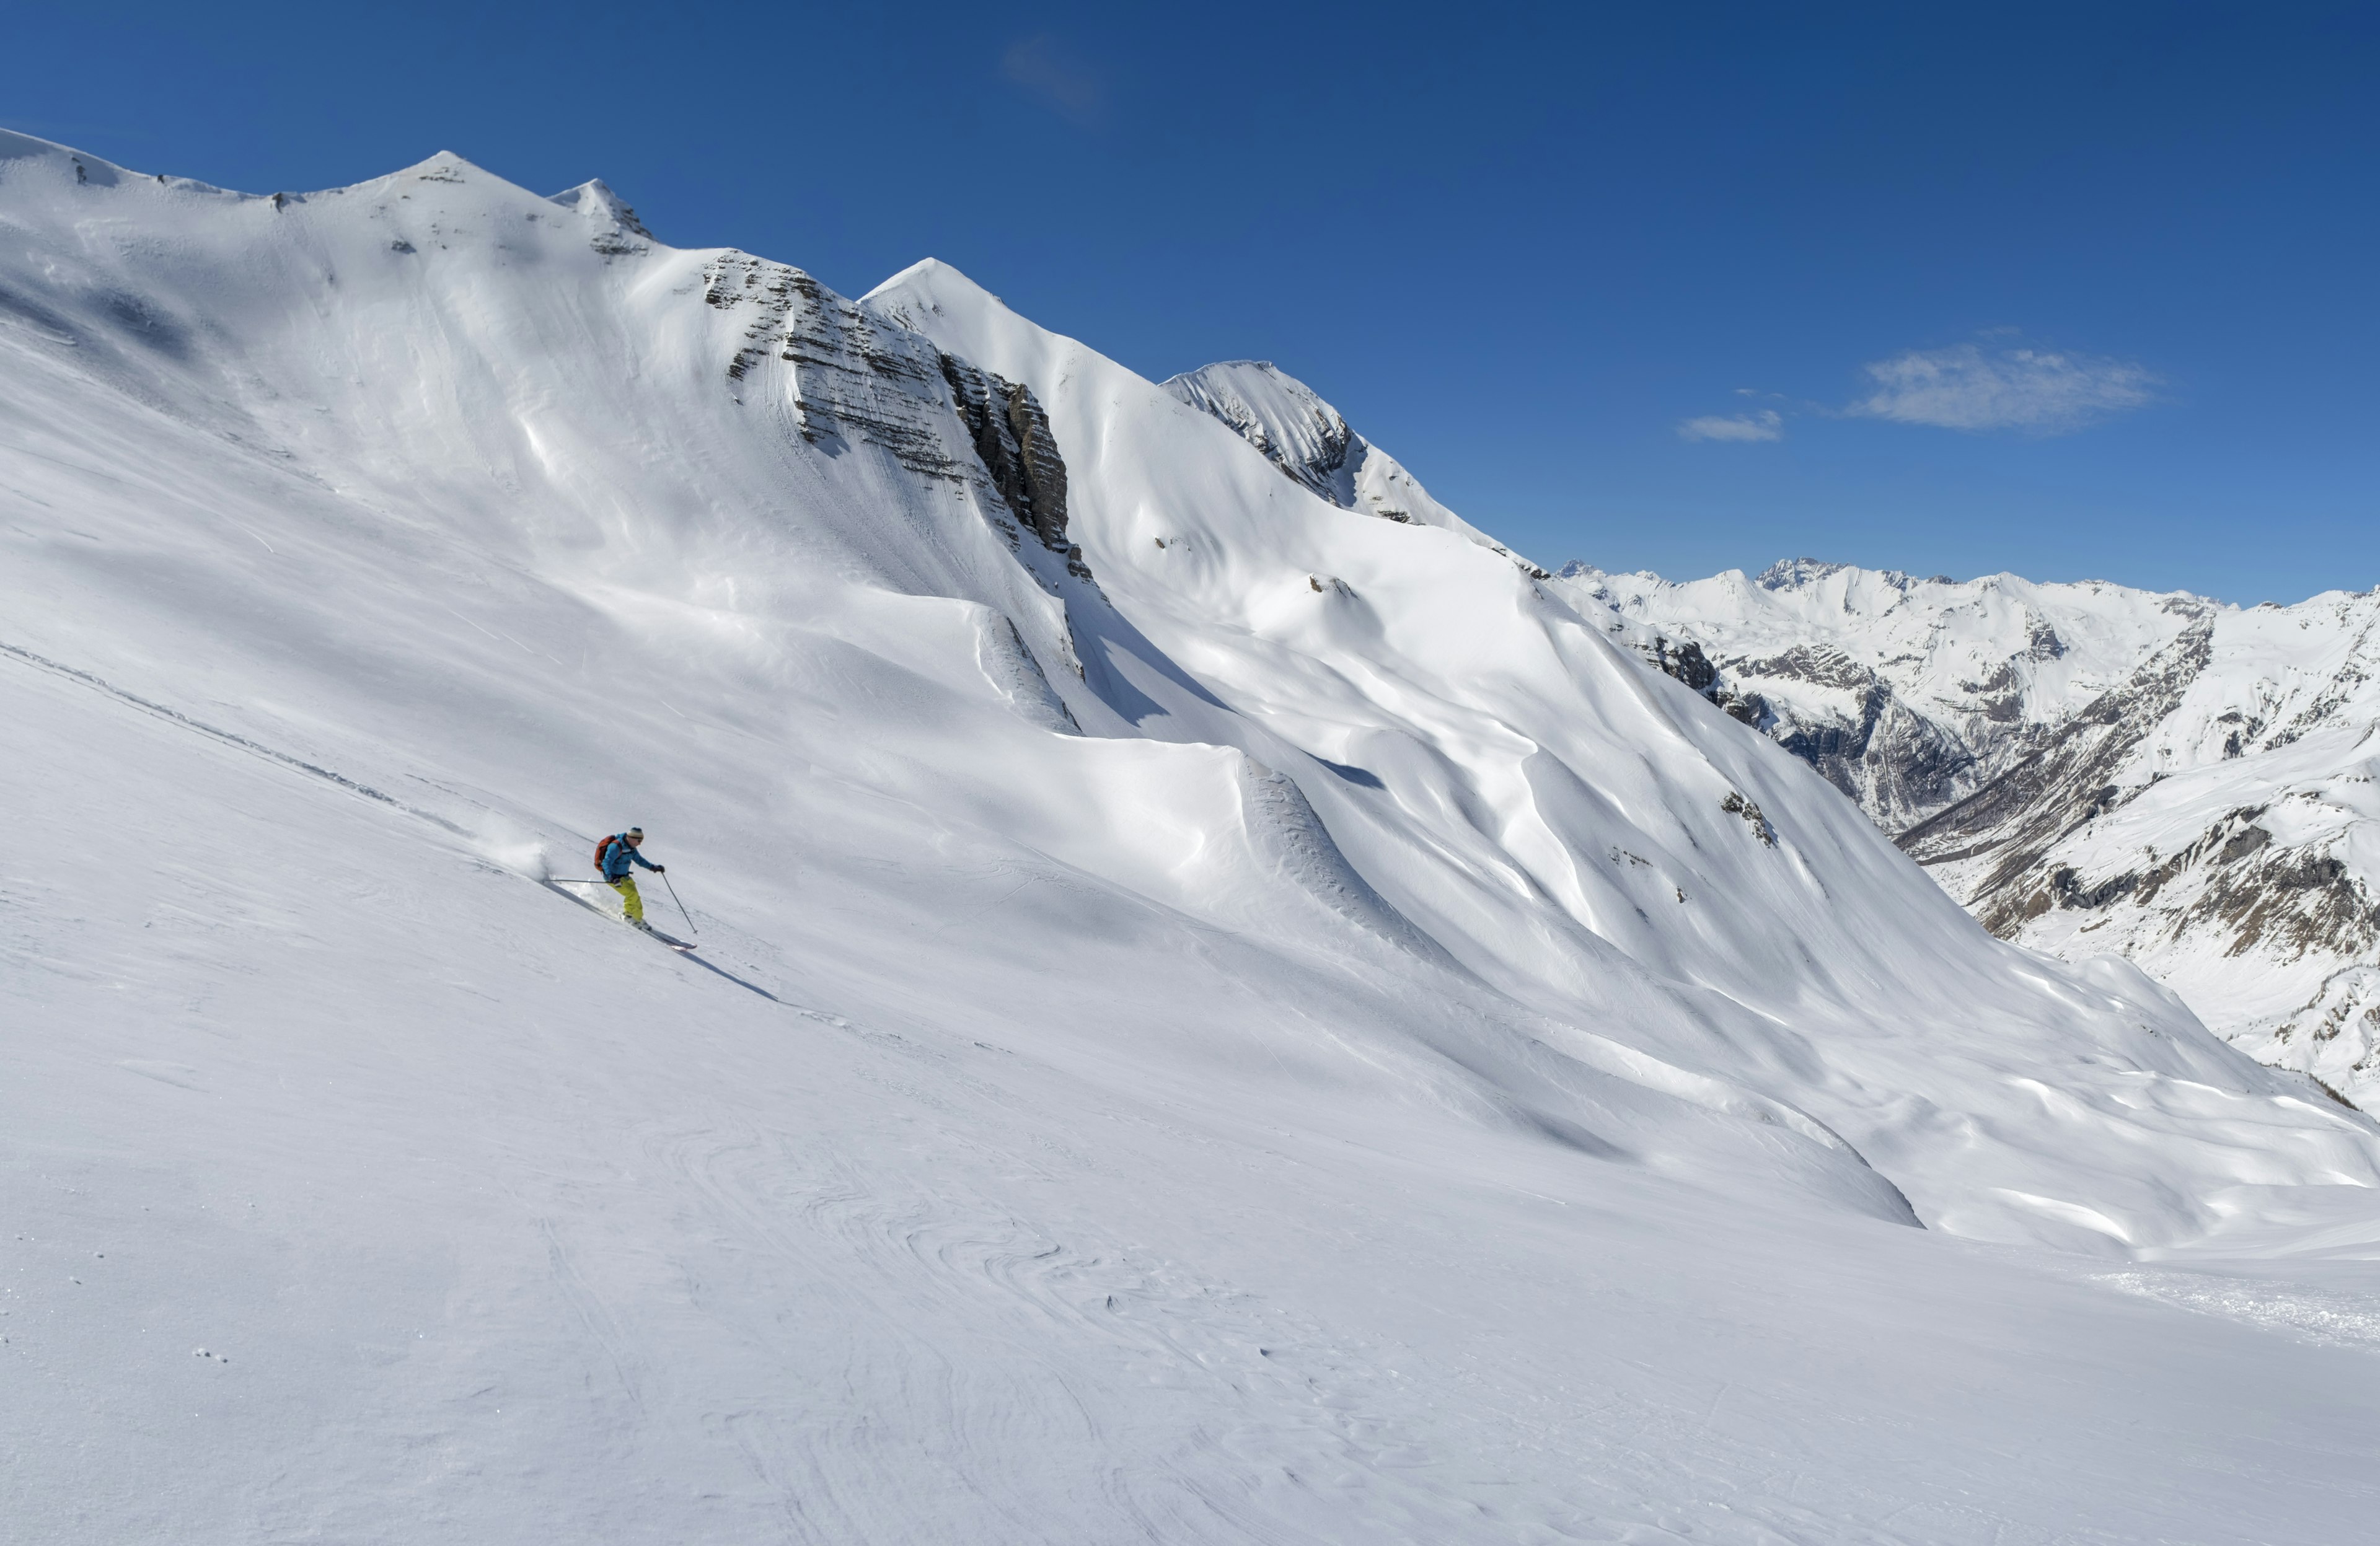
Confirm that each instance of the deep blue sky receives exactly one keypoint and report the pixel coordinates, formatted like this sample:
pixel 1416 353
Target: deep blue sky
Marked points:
pixel 2116 262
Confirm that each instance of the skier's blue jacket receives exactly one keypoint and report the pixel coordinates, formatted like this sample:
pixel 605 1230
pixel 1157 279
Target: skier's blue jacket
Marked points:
pixel 618 856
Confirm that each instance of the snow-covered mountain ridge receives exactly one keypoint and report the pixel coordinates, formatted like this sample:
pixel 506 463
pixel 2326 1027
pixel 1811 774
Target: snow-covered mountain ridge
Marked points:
pixel 2090 769
pixel 1220 1015
pixel 1313 445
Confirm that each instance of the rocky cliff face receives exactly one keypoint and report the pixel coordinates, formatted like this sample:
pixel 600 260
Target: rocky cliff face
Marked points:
pixel 1012 441
pixel 855 379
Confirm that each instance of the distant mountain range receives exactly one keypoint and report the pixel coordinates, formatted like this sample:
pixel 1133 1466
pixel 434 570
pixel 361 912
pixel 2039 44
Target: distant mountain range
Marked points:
pixel 2089 767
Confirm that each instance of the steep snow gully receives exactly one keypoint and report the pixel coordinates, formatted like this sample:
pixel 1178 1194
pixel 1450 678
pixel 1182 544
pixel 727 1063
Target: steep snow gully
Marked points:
pixel 1224 1015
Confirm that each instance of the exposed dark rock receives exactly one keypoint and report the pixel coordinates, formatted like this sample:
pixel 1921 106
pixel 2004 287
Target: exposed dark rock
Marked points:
pixel 852 383
pixel 1750 707
pixel 1822 744
pixel 1820 665
pixel 856 383
pixel 1319 472
pixel 1903 759
pixel 2292 902
pixel 1736 804
pixel 1012 438
pixel 2244 845
pixel 1686 662
pixel 1909 764
pixel 1998 698
pixel 1310 443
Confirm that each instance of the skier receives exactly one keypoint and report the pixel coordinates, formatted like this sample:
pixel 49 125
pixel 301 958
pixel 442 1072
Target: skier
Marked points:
pixel 612 856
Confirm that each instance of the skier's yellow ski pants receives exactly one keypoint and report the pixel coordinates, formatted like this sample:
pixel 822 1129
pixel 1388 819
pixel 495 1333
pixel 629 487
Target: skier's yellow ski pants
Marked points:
pixel 633 903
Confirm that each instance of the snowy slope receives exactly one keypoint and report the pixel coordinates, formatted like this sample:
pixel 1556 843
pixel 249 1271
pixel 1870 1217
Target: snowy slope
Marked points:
pixel 1284 1033
pixel 1584 834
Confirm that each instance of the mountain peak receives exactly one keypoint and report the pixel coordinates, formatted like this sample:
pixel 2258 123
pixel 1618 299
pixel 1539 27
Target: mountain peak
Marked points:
pixel 1313 445
pixel 935 283
pixel 595 199
pixel 1794 573
pixel 444 166
pixel 1298 432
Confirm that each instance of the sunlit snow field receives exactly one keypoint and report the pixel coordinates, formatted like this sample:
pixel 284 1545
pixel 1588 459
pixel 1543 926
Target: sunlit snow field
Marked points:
pixel 1284 1041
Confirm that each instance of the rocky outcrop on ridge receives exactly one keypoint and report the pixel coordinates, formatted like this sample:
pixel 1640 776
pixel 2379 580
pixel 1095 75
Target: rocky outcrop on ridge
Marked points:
pixel 857 380
pixel 1011 438
pixel 1683 661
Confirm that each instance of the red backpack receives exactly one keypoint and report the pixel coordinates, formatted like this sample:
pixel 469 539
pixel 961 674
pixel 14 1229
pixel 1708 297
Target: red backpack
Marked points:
pixel 602 851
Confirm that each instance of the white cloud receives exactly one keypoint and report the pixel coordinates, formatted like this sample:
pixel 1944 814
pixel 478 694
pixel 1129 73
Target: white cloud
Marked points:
pixel 1766 424
pixel 1051 71
pixel 1964 388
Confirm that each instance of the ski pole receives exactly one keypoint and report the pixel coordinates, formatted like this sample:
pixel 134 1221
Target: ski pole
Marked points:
pixel 681 907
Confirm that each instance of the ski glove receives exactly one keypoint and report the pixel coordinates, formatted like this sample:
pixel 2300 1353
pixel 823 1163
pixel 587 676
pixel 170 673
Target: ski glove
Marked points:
pixel 661 869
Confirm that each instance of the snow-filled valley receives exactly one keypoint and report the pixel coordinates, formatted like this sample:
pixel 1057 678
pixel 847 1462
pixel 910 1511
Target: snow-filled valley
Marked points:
pixel 1221 1014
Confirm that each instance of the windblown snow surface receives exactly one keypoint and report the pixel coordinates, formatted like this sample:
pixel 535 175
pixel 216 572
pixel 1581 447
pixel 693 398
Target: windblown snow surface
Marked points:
pixel 1293 1037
